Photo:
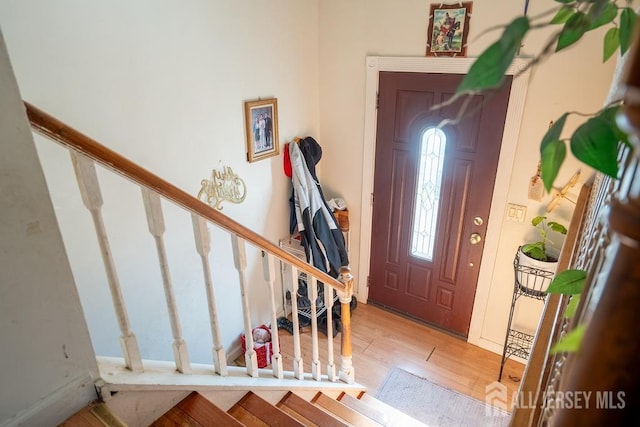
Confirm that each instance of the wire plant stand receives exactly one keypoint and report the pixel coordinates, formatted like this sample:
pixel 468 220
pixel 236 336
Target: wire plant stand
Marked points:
pixel 529 282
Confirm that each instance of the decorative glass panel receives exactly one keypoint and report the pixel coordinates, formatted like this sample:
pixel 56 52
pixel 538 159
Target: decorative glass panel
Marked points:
pixel 425 215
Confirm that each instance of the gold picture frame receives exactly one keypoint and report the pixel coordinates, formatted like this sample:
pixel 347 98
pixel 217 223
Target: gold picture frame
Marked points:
pixel 448 29
pixel 261 125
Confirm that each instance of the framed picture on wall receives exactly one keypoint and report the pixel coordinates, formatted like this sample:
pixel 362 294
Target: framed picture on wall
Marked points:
pixel 261 124
pixel 448 29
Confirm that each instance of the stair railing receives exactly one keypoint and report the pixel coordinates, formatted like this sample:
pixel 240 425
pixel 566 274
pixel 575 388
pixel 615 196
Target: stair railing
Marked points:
pixel 85 152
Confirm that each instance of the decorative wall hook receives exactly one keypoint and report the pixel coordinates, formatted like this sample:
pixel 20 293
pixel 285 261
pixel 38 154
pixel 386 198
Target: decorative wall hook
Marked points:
pixel 536 186
pixel 225 185
pixel 562 194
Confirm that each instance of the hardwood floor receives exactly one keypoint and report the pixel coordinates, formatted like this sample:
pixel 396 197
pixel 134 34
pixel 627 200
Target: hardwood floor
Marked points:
pixel 383 340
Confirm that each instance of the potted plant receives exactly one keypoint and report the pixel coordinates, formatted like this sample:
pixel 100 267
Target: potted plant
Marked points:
pixel 543 250
pixel 595 142
pixel 537 261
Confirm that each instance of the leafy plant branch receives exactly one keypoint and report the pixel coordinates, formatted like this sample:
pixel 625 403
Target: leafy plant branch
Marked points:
pixel 569 282
pixel 538 250
pixel 595 142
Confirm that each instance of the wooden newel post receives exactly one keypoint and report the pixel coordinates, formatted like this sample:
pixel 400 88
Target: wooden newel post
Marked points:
pixel 347 373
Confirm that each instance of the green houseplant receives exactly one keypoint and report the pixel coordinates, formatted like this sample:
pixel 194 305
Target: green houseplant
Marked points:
pixel 596 141
pixel 539 250
pixel 537 261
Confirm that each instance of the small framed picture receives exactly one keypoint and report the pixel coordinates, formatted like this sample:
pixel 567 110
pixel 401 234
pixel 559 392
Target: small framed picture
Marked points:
pixel 261 123
pixel 448 29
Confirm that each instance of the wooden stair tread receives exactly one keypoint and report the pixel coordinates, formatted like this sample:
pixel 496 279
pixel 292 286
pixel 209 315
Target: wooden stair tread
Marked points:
pixel 93 415
pixel 82 418
pixel 175 417
pixel 252 410
pixel 196 410
pixel 307 413
pixel 343 412
pixel 246 418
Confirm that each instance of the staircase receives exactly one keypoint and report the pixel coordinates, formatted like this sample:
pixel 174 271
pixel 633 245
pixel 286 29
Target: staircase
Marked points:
pixel 261 409
pixel 309 363
pixel 318 390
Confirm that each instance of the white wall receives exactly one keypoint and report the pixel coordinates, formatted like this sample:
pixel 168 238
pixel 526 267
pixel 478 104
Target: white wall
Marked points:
pixel 163 83
pixel 352 30
pixel 47 358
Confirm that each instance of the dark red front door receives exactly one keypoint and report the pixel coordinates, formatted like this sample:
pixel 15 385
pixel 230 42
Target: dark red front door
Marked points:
pixel 432 196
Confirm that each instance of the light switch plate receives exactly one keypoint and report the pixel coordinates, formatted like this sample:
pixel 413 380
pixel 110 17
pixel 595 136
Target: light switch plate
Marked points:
pixel 516 213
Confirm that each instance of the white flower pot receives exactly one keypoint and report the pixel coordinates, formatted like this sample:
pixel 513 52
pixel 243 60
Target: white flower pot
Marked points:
pixel 534 276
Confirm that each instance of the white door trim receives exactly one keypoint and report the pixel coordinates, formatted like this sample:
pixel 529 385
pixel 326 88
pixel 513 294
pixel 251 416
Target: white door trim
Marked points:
pixel 375 64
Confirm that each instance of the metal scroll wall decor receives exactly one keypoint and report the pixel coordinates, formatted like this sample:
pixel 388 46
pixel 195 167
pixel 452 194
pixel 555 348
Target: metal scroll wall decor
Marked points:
pixel 223 186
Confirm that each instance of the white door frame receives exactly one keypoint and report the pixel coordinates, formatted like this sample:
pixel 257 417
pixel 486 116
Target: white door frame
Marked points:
pixel 515 108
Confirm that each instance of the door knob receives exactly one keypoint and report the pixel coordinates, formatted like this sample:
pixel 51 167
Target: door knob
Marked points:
pixel 475 238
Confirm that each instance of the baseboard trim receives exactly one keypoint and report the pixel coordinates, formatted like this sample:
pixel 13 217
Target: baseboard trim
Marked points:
pixel 59 405
pixel 495 348
pixel 234 353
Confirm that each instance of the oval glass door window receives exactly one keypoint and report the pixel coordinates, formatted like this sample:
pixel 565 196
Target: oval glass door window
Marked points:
pixel 425 214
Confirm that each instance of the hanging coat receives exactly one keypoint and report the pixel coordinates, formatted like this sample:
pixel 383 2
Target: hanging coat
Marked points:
pixel 321 238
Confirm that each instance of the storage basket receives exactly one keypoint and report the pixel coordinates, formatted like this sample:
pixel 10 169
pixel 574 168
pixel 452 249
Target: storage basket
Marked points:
pixel 264 352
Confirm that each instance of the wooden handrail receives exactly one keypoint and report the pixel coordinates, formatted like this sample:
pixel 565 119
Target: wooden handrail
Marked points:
pixel 56 130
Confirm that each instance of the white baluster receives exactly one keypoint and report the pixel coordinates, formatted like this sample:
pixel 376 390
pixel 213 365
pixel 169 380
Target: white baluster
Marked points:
pixel 283 271
pixel 92 198
pixel 312 294
pixel 155 219
pixel 240 260
pixel 328 302
pixel 298 365
pixel 269 277
pixel 201 234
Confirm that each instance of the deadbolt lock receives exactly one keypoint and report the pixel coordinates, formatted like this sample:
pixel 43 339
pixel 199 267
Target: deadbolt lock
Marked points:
pixel 475 238
pixel 478 220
